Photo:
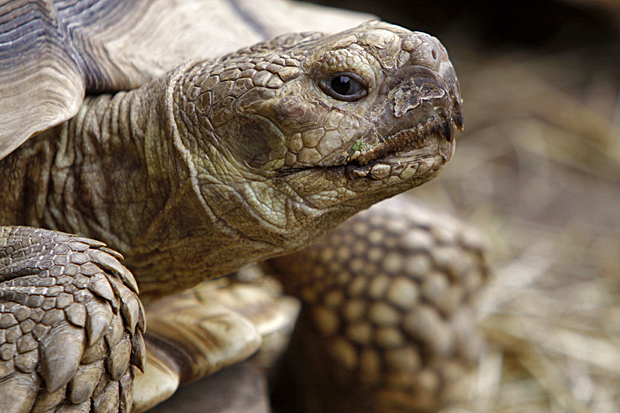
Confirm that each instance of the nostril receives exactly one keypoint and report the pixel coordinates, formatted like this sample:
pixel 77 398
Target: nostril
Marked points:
pixel 434 53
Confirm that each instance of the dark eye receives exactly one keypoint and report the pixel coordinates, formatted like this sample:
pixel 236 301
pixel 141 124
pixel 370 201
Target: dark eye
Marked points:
pixel 344 86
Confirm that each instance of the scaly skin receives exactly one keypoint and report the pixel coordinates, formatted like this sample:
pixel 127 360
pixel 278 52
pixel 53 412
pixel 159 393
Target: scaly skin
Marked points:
pixel 215 165
pixel 194 175
pixel 388 320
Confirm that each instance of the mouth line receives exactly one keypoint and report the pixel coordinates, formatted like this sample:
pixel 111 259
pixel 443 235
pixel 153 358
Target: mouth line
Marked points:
pixel 416 138
pixel 403 163
pixel 404 151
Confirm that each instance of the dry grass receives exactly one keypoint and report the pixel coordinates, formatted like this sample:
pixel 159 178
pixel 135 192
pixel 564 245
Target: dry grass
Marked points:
pixel 538 171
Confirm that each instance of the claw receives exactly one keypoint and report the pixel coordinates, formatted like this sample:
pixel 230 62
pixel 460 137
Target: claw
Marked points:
pixel 61 351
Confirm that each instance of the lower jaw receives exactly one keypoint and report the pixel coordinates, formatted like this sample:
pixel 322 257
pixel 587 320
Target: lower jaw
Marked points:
pixel 403 164
pixel 383 175
pixel 358 186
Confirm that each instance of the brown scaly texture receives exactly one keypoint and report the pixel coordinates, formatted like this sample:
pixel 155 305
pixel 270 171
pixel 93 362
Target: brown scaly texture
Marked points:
pixel 224 162
pixel 111 45
pixel 71 324
pixel 200 172
pixel 387 319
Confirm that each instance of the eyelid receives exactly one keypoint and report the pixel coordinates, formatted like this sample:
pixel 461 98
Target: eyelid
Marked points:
pixel 325 85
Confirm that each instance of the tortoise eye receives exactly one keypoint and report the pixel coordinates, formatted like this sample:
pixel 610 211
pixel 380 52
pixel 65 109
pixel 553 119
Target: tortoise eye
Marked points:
pixel 344 86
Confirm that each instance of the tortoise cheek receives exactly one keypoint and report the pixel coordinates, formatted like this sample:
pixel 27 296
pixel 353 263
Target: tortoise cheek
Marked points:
pixel 297 113
pixel 255 141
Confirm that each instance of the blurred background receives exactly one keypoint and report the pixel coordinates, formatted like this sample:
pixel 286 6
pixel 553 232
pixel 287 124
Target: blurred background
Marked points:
pixel 538 172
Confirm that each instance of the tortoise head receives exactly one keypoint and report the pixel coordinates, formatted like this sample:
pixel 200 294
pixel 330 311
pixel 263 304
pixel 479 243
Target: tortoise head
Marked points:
pixel 300 132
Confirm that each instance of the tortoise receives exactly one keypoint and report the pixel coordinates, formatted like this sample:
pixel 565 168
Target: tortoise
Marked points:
pixel 189 139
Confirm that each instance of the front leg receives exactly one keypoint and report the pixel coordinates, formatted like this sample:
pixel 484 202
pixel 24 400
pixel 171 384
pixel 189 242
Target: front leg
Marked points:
pixel 71 324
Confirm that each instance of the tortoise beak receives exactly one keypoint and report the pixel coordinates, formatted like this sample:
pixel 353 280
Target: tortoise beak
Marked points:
pixel 448 75
pixel 427 53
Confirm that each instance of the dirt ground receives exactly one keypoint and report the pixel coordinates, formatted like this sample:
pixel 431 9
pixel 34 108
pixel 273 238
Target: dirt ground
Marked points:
pixel 538 172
